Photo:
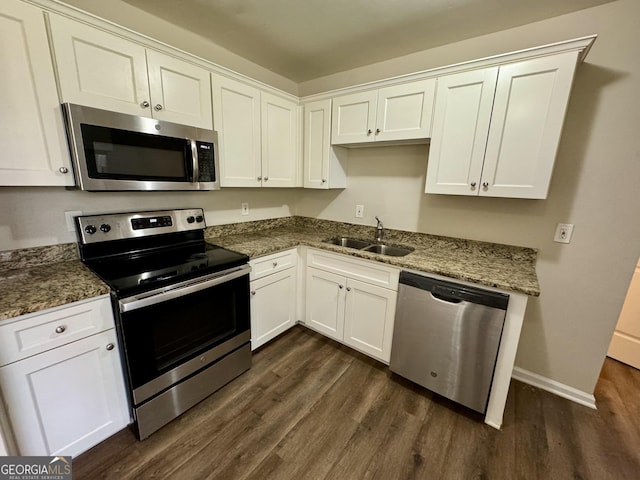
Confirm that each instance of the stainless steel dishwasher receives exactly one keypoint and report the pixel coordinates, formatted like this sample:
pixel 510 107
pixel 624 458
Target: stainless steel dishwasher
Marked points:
pixel 446 337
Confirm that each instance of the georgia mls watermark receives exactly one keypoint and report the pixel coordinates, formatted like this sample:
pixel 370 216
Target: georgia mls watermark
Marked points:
pixel 35 468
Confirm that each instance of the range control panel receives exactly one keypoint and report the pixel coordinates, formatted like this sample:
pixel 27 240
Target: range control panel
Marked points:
pixel 118 226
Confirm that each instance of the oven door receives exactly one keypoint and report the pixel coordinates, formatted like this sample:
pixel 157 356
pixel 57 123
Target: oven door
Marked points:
pixel 174 332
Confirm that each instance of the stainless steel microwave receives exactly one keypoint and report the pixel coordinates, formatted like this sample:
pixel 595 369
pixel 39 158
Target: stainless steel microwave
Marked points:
pixel 114 151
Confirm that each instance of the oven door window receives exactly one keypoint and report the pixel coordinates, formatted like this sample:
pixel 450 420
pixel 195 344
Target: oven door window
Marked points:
pixel 123 155
pixel 160 337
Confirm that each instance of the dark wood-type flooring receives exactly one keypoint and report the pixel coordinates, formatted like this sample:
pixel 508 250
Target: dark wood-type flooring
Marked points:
pixel 310 408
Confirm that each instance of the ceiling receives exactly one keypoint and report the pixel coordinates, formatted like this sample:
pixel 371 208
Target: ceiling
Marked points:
pixel 306 39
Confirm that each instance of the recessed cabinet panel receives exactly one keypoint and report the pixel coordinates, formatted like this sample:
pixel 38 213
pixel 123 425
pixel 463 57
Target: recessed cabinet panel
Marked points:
pixel 353 118
pixel 460 127
pixel 98 69
pixel 325 302
pixel 404 111
pixel 236 111
pixel 32 137
pixel 528 113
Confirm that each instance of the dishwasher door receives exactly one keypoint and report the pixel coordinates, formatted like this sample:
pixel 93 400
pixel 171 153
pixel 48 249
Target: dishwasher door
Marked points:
pixel 446 337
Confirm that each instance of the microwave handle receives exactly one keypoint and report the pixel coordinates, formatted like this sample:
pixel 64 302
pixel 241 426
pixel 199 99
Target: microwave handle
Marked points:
pixel 194 158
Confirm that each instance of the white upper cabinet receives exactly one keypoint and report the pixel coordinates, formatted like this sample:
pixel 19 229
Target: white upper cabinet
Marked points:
pixel 32 137
pixel 395 113
pixel 257 134
pixel 102 70
pixel 325 166
pixel 496 130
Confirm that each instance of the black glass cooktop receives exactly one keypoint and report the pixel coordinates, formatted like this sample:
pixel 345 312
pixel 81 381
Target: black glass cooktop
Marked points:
pixel 139 272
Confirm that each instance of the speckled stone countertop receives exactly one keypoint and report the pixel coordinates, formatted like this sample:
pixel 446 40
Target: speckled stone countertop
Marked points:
pixel 501 266
pixel 34 279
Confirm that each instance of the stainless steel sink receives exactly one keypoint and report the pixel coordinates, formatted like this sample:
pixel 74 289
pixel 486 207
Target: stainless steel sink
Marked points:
pixel 365 246
pixel 391 250
pixel 349 242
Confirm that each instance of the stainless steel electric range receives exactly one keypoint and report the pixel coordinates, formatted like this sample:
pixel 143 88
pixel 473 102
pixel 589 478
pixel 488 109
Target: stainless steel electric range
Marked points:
pixel 181 307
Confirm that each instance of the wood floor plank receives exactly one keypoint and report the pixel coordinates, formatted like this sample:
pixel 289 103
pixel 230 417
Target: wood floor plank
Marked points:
pixel 311 408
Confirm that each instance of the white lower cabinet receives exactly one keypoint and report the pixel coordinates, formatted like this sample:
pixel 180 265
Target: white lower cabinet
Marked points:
pixel 273 296
pixel 65 400
pixel 352 301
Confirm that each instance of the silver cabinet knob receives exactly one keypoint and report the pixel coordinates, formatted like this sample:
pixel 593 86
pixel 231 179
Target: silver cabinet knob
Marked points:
pixel 369 132
pixel 266 179
pixel 324 180
pixel 63 170
pixel 61 329
pixel 259 179
pixel 473 184
pixel 158 107
pixel 275 264
pixel 348 289
pixel 144 104
pixel 340 287
pixel 485 185
pixel 110 346
pixel 377 131
pixel 253 293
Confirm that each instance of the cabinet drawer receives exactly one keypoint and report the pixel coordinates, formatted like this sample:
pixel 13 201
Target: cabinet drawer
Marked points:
pixel 363 270
pixel 273 263
pixel 35 333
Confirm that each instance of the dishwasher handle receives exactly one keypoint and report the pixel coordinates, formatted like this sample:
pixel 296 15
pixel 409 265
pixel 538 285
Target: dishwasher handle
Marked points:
pixel 445 294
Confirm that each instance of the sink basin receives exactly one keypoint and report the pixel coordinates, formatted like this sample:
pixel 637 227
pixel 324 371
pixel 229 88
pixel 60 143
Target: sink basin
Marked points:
pixel 348 242
pixel 391 250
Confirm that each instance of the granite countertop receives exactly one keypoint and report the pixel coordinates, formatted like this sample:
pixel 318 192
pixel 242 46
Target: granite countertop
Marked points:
pixel 502 266
pixel 35 279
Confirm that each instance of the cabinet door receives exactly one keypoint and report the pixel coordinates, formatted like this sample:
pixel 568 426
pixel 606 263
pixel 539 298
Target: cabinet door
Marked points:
pixel 368 320
pixel 180 91
pixel 32 137
pixel 461 120
pixel 405 111
pixel 325 166
pixel 325 303
pixel 528 112
pixel 98 69
pixel 66 400
pixel 273 306
pixel 281 162
pixel 353 118
pixel 236 115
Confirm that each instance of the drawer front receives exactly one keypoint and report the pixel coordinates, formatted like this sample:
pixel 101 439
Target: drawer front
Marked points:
pixel 363 270
pixel 35 333
pixel 276 262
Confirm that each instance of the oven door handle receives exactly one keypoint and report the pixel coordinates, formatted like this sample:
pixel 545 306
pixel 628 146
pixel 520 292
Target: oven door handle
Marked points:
pixel 185 288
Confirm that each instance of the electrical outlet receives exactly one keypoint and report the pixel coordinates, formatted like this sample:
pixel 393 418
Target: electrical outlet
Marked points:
pixel 563 233
pixel 244 208
pixel 71 226
pixel 359 211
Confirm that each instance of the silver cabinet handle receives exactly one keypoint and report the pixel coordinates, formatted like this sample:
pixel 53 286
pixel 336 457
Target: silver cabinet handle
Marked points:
pixel 377 131
pixel 485 184
pixel 253 293
pixel 61 329
pixel 473 184
pixel 348 289
pixel 144 104
pixel 110 346
pixel 63 170
pixel 158 107
pixel 369 132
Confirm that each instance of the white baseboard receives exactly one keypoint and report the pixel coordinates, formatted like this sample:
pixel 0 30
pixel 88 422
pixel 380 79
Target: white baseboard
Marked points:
pixel 557 388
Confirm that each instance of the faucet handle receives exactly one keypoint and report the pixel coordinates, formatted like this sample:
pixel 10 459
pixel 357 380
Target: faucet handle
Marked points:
pixel 379 222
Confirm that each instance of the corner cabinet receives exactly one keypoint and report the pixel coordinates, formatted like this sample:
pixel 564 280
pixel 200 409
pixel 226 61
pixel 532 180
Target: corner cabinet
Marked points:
pixel 32 137
pixel 496 130
pixel 258 135
pixel 325 166
pixel 62 380
pixel 396 113
pixel 103 70
pixel 273 295
pixel 352 301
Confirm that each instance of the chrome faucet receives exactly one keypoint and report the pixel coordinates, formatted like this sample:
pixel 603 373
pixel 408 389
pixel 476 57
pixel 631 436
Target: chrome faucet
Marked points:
pixel 379 230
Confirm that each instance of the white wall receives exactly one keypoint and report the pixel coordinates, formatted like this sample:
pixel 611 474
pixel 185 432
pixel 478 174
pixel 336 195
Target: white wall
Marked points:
pixel 595 186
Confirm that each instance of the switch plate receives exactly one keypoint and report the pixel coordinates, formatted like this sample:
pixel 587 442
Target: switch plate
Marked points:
pixel 71 226
pixel 244 208
pixel 359 211
pixel 563 233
